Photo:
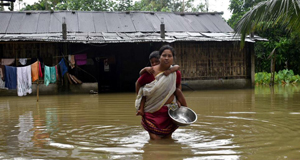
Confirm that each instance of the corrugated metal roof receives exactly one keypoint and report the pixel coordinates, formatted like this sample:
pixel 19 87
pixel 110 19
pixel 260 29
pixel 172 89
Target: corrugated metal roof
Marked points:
pixel 113 27
pixel 93 22
pixel 125 37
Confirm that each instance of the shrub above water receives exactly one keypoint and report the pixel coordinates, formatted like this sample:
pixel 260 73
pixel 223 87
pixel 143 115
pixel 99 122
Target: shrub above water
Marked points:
pixel 282 77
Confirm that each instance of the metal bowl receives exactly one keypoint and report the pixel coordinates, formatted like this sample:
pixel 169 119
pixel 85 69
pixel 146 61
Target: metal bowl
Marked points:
pixel 183 116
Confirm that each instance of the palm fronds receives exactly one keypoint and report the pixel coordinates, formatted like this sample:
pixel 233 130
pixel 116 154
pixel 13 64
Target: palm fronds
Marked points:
pixel 285 12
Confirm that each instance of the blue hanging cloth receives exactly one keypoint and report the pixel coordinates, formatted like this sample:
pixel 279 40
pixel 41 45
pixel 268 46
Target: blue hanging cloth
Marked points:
pixel 10 77
pixel 63 67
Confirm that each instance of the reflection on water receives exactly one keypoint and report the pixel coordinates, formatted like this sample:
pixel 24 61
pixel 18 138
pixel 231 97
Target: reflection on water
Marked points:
pixel 232 124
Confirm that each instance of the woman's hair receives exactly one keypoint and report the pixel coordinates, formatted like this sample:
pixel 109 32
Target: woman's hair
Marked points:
pixel 154 54
pixel 164 47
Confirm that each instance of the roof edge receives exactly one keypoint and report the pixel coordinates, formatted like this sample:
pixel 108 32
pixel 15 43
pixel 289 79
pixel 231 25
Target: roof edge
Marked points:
pixel 127 12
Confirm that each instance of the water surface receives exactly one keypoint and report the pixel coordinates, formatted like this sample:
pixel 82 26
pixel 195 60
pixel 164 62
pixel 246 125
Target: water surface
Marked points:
pixel 260 123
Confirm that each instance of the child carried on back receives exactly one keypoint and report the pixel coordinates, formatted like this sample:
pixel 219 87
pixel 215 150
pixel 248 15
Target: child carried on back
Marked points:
pixel 154 60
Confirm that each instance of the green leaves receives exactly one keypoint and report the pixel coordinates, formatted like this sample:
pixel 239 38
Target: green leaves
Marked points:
pixel 284 12
pixel 282 77
pixel 117 5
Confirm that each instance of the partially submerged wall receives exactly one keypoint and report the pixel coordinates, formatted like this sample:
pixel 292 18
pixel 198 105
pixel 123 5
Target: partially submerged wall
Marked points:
pixel 52 89
pixel 216 84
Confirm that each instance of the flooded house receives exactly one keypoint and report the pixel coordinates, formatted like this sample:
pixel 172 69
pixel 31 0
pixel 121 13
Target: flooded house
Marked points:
pixel 104 51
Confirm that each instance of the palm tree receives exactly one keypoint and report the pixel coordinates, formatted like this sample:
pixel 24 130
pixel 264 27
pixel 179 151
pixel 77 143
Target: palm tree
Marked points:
pixel 270 12
pixel 267 13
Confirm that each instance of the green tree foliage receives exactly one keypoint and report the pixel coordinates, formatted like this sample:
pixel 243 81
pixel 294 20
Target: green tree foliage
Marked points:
pixel 239 8
pixel 117 5
pixel 40 5
pixel 284 12
pixel 87 5
pixel 166 5
pixel 80 5
pixel 125 5
pixel 279 39
pixel 274 20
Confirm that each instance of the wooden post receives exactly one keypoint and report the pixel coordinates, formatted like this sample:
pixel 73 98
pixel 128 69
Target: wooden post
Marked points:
pixel 162 29
pixel 64 28
pixel 37 87
pixel 273 60
pixel 252 65
pixel 2 9
pixel 11 6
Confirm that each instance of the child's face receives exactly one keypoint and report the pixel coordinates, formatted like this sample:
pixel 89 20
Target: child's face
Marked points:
pixel 154 61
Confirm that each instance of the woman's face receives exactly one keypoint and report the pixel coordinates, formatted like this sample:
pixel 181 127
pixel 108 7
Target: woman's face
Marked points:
pixel 166 58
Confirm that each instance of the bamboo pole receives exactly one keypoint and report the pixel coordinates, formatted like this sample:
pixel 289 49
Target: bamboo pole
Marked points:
pixel 37 91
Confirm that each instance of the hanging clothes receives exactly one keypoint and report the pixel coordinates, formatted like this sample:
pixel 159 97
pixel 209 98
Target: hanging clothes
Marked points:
pixel 52 74
pixel 69 78
pixel 80 59
pixel 57 76
pixel 63 67
pixel 2 84
pixel 2 77
pixel 23 61
pixel 49 75
pixel 74 79
pixel 24 81
pixel 34 71
pixel 10 77
pixel 71 61
pixel 40 70
pixel 1 73
pixel 7 62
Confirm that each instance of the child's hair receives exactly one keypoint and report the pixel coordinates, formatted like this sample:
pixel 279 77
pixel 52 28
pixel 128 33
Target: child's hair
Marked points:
pixel 154 54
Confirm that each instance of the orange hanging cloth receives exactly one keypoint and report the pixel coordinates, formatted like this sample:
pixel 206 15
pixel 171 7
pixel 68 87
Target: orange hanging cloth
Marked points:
pixel 34 71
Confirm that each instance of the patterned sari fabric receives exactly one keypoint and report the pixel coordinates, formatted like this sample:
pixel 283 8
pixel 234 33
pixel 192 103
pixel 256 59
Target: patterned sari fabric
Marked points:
pixel 159 122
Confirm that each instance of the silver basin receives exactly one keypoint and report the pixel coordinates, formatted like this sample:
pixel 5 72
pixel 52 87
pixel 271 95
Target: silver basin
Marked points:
pixel 183 116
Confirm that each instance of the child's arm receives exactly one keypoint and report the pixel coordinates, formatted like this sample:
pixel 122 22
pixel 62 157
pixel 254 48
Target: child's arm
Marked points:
pixel 180 98
pixel 147 69
pixel 171 70
pixel 141 109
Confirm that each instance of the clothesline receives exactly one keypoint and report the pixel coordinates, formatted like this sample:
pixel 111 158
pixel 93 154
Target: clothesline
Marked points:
pixel 21 78
pixel 81 59
pixel 33 63
pixel 14 75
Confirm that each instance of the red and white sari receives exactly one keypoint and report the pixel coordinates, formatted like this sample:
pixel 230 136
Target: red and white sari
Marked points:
pixel 157 90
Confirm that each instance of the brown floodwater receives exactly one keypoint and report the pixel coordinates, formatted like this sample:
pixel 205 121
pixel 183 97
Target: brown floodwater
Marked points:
pixel 260 123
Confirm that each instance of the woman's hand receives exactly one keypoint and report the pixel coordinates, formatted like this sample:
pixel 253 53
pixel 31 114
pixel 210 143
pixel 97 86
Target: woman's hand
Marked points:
pixel 178 103
pixel 140 112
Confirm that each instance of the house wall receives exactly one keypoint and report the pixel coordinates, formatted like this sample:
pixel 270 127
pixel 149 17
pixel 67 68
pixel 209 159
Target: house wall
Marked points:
pixel 48 53
pixel 204 65
pixel 213 60
pixel 214 65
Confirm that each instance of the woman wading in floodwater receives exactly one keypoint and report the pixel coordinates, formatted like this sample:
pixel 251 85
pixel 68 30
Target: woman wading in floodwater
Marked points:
pixel 159 92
